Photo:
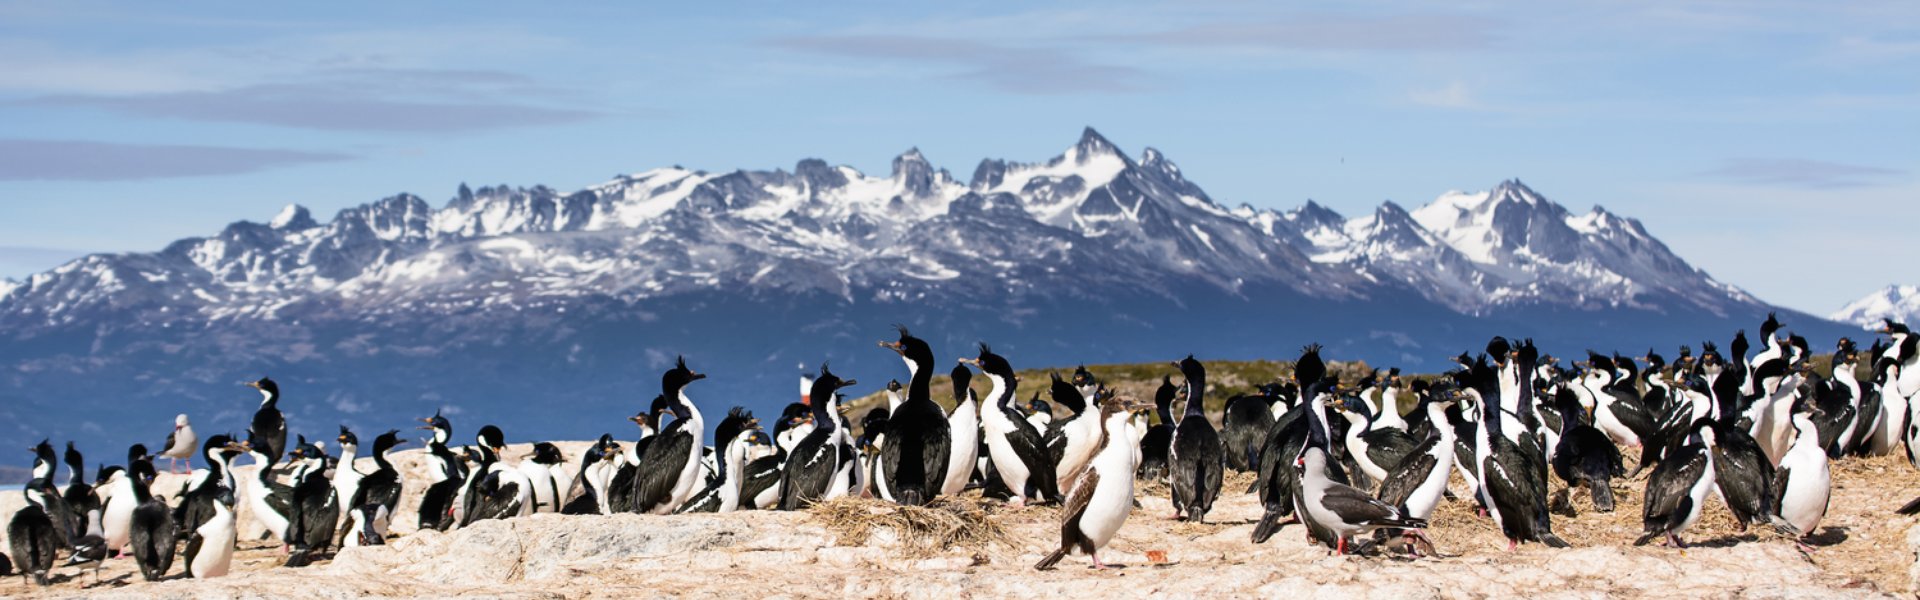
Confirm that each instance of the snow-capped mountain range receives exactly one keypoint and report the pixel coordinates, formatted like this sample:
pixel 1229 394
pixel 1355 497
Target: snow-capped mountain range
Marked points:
pixel 1898 302
pixel 512 294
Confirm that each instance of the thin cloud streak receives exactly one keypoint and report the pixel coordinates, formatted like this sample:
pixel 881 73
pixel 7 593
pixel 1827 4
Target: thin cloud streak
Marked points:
pixel 379 100
pixel 65 160
pixel 1413 33
pixel 1017 69
pixel 1802 173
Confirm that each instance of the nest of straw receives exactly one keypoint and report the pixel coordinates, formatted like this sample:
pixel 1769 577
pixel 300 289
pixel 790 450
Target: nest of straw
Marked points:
pixel 920 531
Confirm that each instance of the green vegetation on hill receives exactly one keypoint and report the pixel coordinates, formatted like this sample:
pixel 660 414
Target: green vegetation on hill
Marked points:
pixel 1226 379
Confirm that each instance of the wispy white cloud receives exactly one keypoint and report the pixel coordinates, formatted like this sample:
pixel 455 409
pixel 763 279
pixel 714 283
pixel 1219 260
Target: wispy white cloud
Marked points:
pixel 1024 69
pixel 350 100
pixel 1455 94
pixel 66 160
pixel 1802 173
pixel 1317 32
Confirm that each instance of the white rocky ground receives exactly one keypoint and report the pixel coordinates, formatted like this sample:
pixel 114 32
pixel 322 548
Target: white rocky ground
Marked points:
pixel 1865 551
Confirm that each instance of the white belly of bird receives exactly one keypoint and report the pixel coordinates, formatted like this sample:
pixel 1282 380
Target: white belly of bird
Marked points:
pixel 1808 491
pixel 1604 420
pixel 1699 495
pixel 1107 510
pixel 542 480
pixel 964 427
pixel 843 477
pixel 524 487
pixel 1893 421
pixel 117 522
pixel 689 478
pixel 1012 471
pixel 1427 496
pixel 216 547
pixel 262 512
pixel 1083 438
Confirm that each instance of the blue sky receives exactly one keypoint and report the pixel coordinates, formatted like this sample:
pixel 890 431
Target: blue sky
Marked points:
pixel 1776 145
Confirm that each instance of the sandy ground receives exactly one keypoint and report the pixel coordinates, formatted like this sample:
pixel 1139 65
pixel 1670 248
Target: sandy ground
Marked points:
pixel 1863 550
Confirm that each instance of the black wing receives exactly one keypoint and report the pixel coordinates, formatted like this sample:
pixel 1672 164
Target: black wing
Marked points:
pixel 193 547
pixel 153 539
pixel 808 471
pixel 1412 472
pixel 763 473
pixel 1038 460
pixel 1669 485
pixel 1070 534
pixel 1355 506
pixel 706 501
pixel 660 468
pixel 1389 447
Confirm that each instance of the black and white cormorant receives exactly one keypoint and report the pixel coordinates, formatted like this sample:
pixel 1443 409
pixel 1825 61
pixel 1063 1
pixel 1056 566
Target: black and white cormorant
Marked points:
pixel 65 526
pixel 722 494
pixel 152 525
pixel 1678 488
pixel 32 536
pixel 378 494
pixel 1512 474
pixel 1803 485
pixel 1195 459
pixel 1244 426
pixel 761 489
pixel 914 455
pixel 495 490
pixel 1584 458
pixel 268 423
pixel 313 509
pixel 1838 401
pixel 587 495
pixel 542 470
pixel 621 480
pixel 1038 413
pixel 963 428
pixel 1277 479
pixel 347 475
pixel 1376 450
pixel 1158 441
pixel 1019 454
pixel 198 495
pixel 1103 496
pixel 1073 438
pixel 116 514
pixel 816 468
pixel 210 546
pixel 670 467
pixel 1420 482
pixel 82 503
pixel 446 474
pixel 1618 412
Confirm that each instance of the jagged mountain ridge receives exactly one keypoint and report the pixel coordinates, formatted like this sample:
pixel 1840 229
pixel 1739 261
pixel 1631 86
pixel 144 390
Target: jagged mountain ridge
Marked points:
pixel 1091 255
pixel 1900 303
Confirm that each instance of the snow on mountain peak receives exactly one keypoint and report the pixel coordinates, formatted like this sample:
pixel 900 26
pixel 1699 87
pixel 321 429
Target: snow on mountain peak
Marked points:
pixel 293 217
pixel 1898 302
pixel 672 229
pixel 1092 144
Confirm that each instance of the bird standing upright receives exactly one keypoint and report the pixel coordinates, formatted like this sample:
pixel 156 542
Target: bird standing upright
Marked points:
pixel 1195 458
pixel 181 444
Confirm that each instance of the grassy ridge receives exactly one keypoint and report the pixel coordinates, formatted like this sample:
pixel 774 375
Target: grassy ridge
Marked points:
pixel 1225 379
